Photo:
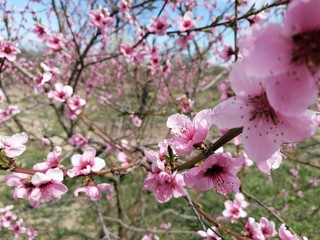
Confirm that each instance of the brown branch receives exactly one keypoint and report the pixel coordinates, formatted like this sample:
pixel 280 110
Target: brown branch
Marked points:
pixel 228 136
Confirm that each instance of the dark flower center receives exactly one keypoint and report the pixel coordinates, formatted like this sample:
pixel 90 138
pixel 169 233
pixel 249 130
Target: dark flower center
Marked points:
pixel 306 48
pixel 262 109
pixel 214 171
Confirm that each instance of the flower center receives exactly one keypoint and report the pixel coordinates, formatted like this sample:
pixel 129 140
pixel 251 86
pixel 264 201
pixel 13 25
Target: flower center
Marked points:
pixel 262 109
pixel 214 171
pixel 306 48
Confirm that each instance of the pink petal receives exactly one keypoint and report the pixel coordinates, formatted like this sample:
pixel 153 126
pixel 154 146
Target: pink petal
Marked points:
pixel 260 140
pixel 55 174
pixel 232 113
pixel 292 92
pixel 98 164
pixel 266 50
pixel 40 178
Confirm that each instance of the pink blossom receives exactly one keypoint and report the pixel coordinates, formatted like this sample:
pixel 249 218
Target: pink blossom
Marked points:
pixel 210 234
pixel 267 228
pixel 100 18
pixel 32 234
pixel 187 22
pixel 227 53
pixel 183 40
pixel 42 78
pixel 56 42
pixel 159 25
pixel 136 120
pixel 123 158
pixel 9 112
pixel 164 185
pixel 18 228
pixel 285 234
pixel 7 219
pixel 53 160
pixel 93 192
pixel 8 50
pixel 22 183
pixel 86 163
pixel 128 52
pixel 40 30
pixel 234 209
pixel 187 103
pixel 14 145
pixel 269 52
pixel 47 186
pixel 188 133
pixel 218 171
pixel 166 226
pixel 76 102
pixel 254 230
pixel 61 93
pixel 266 123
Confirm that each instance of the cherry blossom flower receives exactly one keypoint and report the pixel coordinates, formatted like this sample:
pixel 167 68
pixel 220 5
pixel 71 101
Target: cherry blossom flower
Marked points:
pixel 86 163
pixel 218 171
pixel 227 53
pixel 79 140
pixel 128 52
pixel 40 30
pixel 14 145
pixel 22 182
pixel 9 112
pixel 7 219
pixel 53 160
pixel 47 186
pixel 76 102
pixel 254 230
pixel 164 185
pixel 209 234
pixel 234 209
pixel 269 51
pixel 136 120
pixel 265 123
pixel 100 18
pixel 56 42
pixel 188 133
pixel 8 50
pixel 18 228
pixel 187 22
pixel 93 192
pixel 285 234
pixel 42 78
pixel 187 103
pixel 31 234
pixel 61 93
pixel 159 25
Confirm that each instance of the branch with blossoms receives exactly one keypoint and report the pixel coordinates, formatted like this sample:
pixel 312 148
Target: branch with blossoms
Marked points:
pixel 108 74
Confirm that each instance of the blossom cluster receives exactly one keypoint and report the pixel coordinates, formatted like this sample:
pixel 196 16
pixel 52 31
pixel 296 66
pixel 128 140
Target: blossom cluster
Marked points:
pixel 11 222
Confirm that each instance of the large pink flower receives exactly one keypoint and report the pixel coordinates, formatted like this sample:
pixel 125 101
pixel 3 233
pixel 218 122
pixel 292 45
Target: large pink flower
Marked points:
pixel 266 122
pixel 86 163
pixel 187 133
pixel 218 171
pixel 47 186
